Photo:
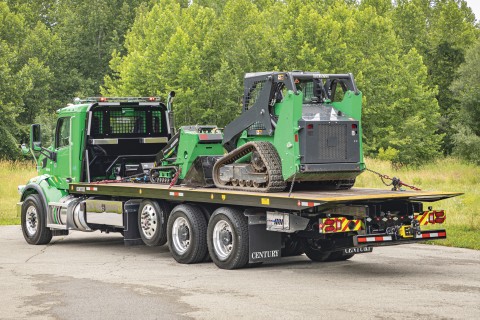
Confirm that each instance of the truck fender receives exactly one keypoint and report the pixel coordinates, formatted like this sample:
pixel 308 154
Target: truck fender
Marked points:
pixel 35 188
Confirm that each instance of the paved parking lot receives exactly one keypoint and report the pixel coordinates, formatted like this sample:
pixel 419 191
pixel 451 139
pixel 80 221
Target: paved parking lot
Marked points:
pixel 94 276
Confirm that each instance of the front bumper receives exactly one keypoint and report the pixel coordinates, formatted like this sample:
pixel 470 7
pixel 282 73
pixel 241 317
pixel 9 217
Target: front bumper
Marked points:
pixel 391 240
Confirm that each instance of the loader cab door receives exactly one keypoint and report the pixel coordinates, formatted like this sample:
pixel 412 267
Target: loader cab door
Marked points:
pixel 61 169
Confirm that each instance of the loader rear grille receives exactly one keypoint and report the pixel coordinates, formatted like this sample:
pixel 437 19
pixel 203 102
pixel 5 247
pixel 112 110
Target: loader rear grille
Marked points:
pixel 332 142
pixel 327 142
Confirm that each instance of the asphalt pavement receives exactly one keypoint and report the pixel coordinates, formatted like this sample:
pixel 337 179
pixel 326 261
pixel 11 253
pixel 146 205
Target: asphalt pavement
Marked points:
pixel 94 276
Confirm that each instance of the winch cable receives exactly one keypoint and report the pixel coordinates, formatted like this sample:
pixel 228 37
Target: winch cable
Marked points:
pixel 396 182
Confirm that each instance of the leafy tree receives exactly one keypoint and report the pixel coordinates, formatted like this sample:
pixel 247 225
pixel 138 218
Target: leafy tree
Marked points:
pixel 441 31
pixel 23 76
pixel 203 54
pixel 466 89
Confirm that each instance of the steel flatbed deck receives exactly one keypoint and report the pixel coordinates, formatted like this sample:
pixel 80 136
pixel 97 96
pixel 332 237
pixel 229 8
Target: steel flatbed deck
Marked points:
pixel 297 200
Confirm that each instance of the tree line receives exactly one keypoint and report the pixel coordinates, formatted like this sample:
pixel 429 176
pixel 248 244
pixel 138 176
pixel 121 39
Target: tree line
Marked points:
pixel 416 62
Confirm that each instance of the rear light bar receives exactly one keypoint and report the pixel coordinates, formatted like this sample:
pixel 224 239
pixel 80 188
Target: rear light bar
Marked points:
pixel 431 217
pixel 331 225
pixel 385 239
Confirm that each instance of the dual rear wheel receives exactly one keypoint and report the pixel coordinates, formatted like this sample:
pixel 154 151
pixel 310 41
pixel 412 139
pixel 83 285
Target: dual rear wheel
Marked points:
pixel 223 239
pixel 195 236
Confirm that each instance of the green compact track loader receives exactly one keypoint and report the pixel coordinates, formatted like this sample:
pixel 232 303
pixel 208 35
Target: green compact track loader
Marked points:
pixel 302 128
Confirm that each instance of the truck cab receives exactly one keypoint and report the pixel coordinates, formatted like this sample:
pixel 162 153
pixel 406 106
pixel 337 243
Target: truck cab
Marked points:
pixel 103 139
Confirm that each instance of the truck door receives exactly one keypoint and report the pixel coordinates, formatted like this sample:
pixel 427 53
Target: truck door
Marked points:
pixel 61 169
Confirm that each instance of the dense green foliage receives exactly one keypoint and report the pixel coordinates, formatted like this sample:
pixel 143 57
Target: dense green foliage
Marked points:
pixel 466 89
pixel 405 57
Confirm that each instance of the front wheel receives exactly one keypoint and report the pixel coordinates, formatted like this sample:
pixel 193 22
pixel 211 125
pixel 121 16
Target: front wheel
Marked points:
pixel 227 238
pixel 187 234
pixel 34 221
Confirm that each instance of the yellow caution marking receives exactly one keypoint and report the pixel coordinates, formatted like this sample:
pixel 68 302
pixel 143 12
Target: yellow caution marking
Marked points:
pixel 140 191
pixel 211 196
pixel 265 201
pixel 430 217
pixel 341 224
pixel 224 196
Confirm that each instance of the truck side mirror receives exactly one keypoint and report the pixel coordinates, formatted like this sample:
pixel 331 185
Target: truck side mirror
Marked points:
pixel 35 138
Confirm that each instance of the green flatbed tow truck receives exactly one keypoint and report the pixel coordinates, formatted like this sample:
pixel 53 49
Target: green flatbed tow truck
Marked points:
pixel 95 177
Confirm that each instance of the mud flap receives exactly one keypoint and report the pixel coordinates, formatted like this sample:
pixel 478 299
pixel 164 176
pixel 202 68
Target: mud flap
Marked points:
pixel 131 234
pixel 263 245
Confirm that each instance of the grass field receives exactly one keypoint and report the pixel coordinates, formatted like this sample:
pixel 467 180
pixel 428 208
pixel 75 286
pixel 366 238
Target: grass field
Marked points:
pixel 463 213
pixel 12 174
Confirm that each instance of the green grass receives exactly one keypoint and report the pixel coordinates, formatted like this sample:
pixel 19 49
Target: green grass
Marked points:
pixel 12 174
pixel 450 174
pixel 463 213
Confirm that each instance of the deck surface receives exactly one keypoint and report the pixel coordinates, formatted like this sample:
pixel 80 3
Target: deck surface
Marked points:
pixel 278 199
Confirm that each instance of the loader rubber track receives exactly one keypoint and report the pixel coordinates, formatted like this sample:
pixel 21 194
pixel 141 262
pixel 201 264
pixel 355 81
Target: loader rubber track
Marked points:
pixel 269 156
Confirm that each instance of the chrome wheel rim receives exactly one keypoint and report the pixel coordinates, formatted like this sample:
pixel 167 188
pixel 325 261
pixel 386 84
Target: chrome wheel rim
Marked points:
pixel 223 240
pixel 181 235
pixel 31 220
pixel 149 221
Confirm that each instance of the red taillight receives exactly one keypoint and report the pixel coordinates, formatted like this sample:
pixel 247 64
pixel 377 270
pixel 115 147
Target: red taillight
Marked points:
pixel 152 99
pixel 310 126
pixel 329 229
pixel 439 216
pixel 431 217
pixel 103 99
pixel 354 126
pixel 330 225
pixel 329 222
pixel 296 138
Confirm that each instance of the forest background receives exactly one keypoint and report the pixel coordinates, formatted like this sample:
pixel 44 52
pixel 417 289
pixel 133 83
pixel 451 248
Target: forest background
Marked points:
pixel 417 62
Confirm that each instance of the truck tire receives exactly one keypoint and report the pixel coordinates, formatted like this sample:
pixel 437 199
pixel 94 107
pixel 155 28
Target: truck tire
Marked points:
pixel 227 238
pixel 339 256
pixel 187 234
pixel 207 213
pixel 315 253
pixel 34 221
pixel 152 222
pixel 293 247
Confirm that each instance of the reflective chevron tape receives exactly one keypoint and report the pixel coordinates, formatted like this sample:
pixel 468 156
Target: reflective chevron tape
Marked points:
pixel 176 194
pixel 429 235
pixel 340 224
pixel 422 218
pixel 431 217
pixel 374 239
pixel 307 204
